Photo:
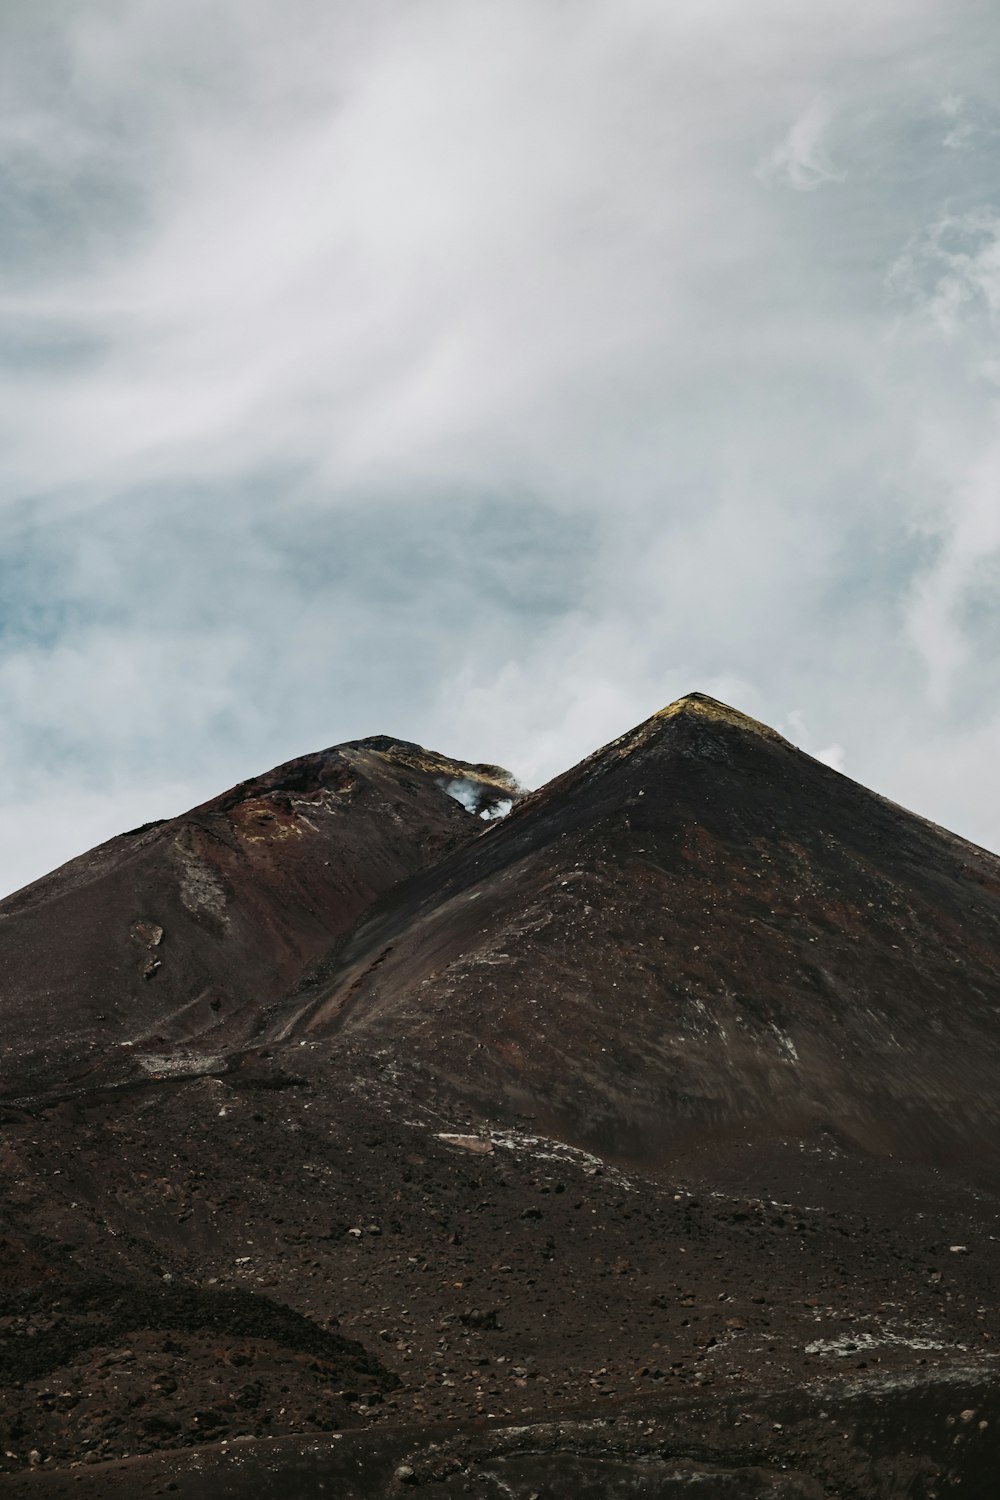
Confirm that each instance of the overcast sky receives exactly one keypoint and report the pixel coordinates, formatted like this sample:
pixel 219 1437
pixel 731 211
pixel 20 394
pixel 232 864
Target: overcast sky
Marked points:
pixel 489 373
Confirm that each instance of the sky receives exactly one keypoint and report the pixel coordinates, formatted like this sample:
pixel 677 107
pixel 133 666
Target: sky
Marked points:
pixel 490 373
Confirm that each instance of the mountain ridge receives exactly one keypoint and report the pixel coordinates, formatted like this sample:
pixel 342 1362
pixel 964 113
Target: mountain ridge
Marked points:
pixel 187 928
pixel 644 1140
pixel 611 823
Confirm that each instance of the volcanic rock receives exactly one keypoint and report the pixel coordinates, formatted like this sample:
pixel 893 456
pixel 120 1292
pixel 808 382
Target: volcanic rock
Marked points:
pixel 699 934
pixel 171 942
pixel 641 1142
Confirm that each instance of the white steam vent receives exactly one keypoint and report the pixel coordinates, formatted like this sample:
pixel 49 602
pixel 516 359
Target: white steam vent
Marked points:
pixel 477 798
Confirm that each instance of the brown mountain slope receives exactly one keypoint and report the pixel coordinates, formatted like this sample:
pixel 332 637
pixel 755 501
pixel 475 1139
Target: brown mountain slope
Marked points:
pixel 764 998
pixel 700 933
pixel 179 935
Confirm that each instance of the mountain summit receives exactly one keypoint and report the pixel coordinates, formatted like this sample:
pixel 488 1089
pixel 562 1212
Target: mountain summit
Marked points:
pixel 699 931
pixel 180 935
pixel 634 1135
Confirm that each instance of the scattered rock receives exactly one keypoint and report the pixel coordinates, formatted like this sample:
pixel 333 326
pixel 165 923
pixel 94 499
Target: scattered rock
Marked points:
pixel 479 1145
pixel 150 934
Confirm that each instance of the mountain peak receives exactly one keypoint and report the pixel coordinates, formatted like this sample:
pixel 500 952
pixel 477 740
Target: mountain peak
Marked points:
pixel 735 939
pixel 701 1038
pixel 491 783
pixel 689 724
pixel 705 707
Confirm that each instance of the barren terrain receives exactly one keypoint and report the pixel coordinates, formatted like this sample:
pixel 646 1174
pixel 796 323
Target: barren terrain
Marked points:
pixel 642 1142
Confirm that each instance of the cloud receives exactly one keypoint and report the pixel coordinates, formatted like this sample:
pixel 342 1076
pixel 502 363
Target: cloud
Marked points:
pixel 796 729
pixel 384 252
pixel 458 371
pixel 943 606
pixel 961 131
pixel 952 270
pixel 950 275
pixel 801 158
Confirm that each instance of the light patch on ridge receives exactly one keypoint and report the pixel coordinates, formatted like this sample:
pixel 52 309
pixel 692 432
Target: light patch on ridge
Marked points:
pixel 854 1343
pixel 711 708
pixel 173 1065
pixel 201 890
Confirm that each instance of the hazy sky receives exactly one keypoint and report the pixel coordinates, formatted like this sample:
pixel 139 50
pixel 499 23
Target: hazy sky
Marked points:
pixel 489 373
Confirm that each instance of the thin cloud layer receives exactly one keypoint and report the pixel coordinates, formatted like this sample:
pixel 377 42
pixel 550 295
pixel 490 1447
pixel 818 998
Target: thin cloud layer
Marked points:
pixel 490 374
pixel 801 159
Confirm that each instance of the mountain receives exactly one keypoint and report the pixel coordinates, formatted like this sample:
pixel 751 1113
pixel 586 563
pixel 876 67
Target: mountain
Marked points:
pixel 175 938
pixel 699 932
pixel 640 1142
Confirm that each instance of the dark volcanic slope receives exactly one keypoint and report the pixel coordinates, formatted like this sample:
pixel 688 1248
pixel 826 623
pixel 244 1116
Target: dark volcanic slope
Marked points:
pixel 764 999
pixel 699 933
pixel 181 933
